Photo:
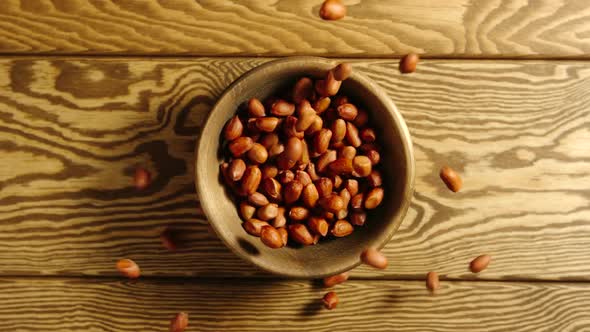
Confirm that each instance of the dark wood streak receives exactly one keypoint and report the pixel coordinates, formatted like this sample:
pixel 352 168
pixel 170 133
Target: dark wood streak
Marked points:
pixel 515 130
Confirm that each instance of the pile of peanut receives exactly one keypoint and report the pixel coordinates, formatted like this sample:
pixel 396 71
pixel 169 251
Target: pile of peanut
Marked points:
pixel 303 166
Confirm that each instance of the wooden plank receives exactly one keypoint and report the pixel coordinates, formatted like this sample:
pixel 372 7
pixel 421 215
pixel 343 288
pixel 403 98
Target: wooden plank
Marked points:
pixel 372 28
pixel 148 305
pixel 72 131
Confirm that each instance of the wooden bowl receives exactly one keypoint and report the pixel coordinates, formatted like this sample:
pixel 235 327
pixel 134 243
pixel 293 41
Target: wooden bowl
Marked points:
pixel 330 256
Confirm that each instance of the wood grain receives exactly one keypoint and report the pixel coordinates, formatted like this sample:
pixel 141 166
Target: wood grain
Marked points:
pixel 119 306
pixel 72 131
pixel 372 28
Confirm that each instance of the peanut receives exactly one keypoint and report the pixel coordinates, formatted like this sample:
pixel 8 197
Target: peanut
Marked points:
pixel 331 85
pixel 310 195
pixel 318 225
pixel 311 171
pixel 285 177
pixel 294 148
pixel 332 203
pixel 142 178
pixel 352 186
pixel 409 63
pixel 258 199
pixel 303 178
pixel 336 182
pixel 330 300
pixel 240 145
pixel 324 187
pixel 271 237
pixel 306 116
pixel 324 160
pixel 302 89
pixel 292 192
pixel 352 135
pixel 128 268
pixel 342 228
pixel 246 211
pixel 335 279
pixel 346 197
pixel 451 178
pixel 361 119
pixel 374 258
pixel 332 10
pixel 362 166
pixel 356 203
pixel 284 162
pixel 276 150
pixel 480 263
pixel 321 105
pixel 282 108
pixel 315 126
pixel 342 71
pixel 236 170
pixel 254 226
pixel 374 179
pixel 300 234
pixel 374 156
pixel 348 112
pixel 338 130
pixel 432 281
pixel 269 171
pixel 340 100
pixel 269 140
pixel 348 152
pixel 257 154
pixel 251 179
pixel 368 135
pixel 272 188
pixel 280 220
pixel 267 124
pixel 358 218
pixel 341 166
pixel 290 128
pixel 233 129
pixel 322 140
pixel 179 323
pixel 374 198
pixel 255 108
pixel 298 213
pixel 284 235
pixel 268 212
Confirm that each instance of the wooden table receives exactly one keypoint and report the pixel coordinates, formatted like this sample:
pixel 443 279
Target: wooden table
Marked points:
pixel 90 90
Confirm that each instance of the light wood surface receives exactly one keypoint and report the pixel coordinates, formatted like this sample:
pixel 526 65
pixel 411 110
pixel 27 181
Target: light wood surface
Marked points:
pixel 224 305
pixel 72 130
pixel 454 28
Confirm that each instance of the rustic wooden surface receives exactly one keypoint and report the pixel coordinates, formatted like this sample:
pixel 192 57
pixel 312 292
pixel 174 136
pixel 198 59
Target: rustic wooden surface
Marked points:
pixel 517 130
pixel 453 28
pixel 271 305
pixel 81 106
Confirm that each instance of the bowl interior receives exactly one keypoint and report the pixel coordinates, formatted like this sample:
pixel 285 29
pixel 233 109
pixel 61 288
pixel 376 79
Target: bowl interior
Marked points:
pixel 329 256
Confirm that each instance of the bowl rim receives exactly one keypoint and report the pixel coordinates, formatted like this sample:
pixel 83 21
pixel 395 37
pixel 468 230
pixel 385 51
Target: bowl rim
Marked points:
pixel 383 97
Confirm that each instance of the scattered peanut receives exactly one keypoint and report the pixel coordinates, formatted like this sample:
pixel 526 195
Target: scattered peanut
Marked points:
pixel 480 263
pixel 332 10
pixel 142 178
pixel 128 268
pixel 408 63
pixel 432 281
pixel 179 323
pixel 451 178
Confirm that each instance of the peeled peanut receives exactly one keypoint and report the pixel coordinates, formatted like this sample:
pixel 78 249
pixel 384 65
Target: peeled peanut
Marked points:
pixel 258 154
pixel 282 108
pixel 179 323
pixel 374 198
pixel 332 10
pixel 268 212
pixel 233 129
pixel 280 220
pixel 236 170
pixel 347 111
pixel 240 145
pixel 292 192
pixel 451 178
pixel 342 228
pixel 408 63
pixel 302 89
pixel 374 258
pixel 311 171
pixel 271 237
pixel 269 171
pixel 298 213
pixel 247 211
pixel 324 187
pixel 267 124
pixel 306 115
pixel 324 160
pixel 374 156
pixel 348 152
pixel 334 280
pixel 318 225
pixel 330 300
pixel 322 140
pixel 269 140
pixel 346 197
pixel 276 150
pixel 331 85
pixel 321 105
pixel 341 166
pixel 362 166
pixel 257 199
pixel 255 108
pixel 432 281
pixel 352 135
pixel 358 218
pixel 342 71
pixel 338 130
pixel 284 235
pixel 336 182
pixel 352 186
pixel 300 234
pixel 128 268
pixel 304 160
pixel 294 148
pixel 254 226
pixel 480 263
pixel 284 162
pixel 374 179
pixel 310 195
